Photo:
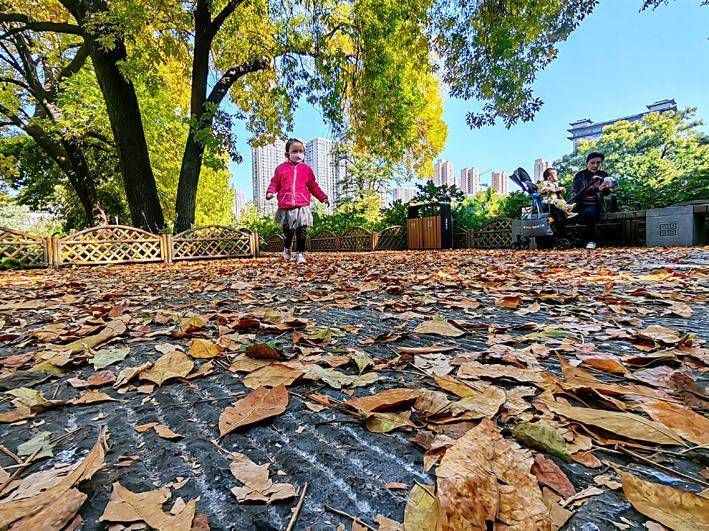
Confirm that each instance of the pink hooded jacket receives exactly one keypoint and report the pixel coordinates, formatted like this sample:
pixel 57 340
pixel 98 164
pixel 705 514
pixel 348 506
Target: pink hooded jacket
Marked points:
pixel 293 184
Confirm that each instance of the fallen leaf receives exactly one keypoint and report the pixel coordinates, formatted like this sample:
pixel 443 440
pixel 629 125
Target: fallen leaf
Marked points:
pixel 484 477
pixel 166 433
pixel 40 442
pixel 261 404
pixel 432 349
pixel 509 301
pixel 262 351
pixel 455 386
pixel 438 364
pixel 474 369
pixel 626 424
pixel 113 329
pixel 203 349
pixel 548 473
pixel 387 524
pixel 422 510
pixel 338 380
pixel 390 398
pixel 485 402
pixel 92 397
pixel 690 425
pixel 257 485
pixel 142 428
pixel 127 374
pixel 105 357
pixel 362 360
pixel 271 375
pixel 128 506
pixel 171 365
pixel 386 422
pixel 541 436
pixel 54 507
pixel 439 327
pixel 395 485
pixel 677 509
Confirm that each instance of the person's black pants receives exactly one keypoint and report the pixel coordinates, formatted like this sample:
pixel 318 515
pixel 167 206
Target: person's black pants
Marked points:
pixel 589 214
pixel 560 221
pixel 300 234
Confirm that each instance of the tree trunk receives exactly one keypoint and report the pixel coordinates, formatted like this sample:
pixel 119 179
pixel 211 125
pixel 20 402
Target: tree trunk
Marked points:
pixel 129 136
pixel 85 184
pixel 192 156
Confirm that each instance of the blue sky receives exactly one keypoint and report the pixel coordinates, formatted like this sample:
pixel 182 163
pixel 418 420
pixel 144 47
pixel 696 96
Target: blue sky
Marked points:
pixel 628 59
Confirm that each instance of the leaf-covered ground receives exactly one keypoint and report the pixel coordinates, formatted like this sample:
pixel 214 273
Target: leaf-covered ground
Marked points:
pixel 436 390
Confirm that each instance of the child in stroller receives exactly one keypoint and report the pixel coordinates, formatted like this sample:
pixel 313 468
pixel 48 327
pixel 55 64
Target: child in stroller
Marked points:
pixel 550 188
pixel 545 223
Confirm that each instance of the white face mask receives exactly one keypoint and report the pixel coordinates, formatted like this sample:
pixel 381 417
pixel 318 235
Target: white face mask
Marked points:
pixel 296 157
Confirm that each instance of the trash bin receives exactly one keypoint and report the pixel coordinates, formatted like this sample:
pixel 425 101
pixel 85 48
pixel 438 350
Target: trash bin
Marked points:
pixel 430 226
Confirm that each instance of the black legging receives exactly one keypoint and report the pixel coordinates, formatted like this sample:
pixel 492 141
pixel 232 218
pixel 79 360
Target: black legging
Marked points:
pixel 300 234
pixel 590 213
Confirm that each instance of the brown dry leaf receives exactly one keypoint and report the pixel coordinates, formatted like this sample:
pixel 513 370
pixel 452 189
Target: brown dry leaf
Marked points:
pixel 432 349
pixel 455 386
pixel 394 485
pixel 192 324
pixel 532 308
pixel 390 398
pixel 203 349
pixel 386 422
pixel 166 433
pixel 605 362
pixel 680 308
pixel 145 427
pixel 485 402
pixel 262 351
pixel 113 329
pixel 271 375
pixel 625 424
pixel 261 404
pixel 127 506
pixel 431 403
pixel 690 425
pixel 548 473
pixel 587 459
pixel 559 516
pixel 243 363
pixel 96 380
pixel 484 477
pixel 171 365
pixel 439 327
pixel 509 301
pixel 92 397
pixel 257 485
pixel 439 364
pixel 387 524
pixel 474 369
pixel 54 507
pixel 677 509
pixel 127 374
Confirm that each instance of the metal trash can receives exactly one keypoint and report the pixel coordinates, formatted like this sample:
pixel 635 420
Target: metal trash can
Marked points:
pixel 430 226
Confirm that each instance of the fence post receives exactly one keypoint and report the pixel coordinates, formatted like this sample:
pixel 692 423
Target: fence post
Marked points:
pixel 54 252
pixel 375 240
pixel 255 250
pixel 337 243
pixel 166 248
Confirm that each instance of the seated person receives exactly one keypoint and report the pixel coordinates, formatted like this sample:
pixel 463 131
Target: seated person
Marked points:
pixel 552 191
pixel 590 185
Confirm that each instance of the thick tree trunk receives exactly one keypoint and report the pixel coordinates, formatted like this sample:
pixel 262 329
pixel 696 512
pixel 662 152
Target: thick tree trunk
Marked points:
pixel 85 184
pixel 129 136
pixel 194 151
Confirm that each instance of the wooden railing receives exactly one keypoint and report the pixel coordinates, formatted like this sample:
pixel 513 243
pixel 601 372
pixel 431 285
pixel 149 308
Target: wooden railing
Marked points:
pixel 355 239
pixel 120 244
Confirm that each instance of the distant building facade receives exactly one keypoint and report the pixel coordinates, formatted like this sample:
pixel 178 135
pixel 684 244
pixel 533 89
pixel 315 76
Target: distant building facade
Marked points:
pixel 405 195
pixel 588 130
pixel 264 161
pixel 470 180
pixel 239 203
pixel 539 166
pixel 443 173
pixel 500 183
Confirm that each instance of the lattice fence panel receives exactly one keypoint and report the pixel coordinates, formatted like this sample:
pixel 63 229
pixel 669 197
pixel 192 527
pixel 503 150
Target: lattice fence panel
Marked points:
pixel 29 250
pixel 392 239
pixel 213 241
pixel 325 241
pixel 356 239
pixel 110 244
pixel 494 235
pixel 273 244
pixel 461 239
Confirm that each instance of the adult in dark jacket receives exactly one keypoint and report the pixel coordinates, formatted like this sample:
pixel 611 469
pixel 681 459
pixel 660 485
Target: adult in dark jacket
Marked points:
pixel 590 185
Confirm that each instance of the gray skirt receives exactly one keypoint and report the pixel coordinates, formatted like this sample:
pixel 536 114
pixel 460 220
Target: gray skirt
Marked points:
pixel 294 217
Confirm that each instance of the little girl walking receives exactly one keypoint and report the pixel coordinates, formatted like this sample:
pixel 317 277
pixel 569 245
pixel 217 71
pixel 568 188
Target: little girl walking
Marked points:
pixel 292 183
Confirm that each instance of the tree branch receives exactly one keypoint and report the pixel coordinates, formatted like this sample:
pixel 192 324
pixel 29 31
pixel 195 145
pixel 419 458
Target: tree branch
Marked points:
pixel 75 65
pixel 223 15
pixel 36 25
pixel 15 82
pixel 230 76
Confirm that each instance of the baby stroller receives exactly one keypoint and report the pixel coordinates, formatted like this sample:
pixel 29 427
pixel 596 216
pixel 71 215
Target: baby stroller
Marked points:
pixel 541 222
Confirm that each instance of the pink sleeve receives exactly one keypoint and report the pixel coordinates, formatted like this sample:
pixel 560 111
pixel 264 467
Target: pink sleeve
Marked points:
pixel 315 188
pixel 273 187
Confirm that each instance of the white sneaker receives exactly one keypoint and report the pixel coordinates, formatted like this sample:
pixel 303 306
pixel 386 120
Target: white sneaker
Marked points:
pixel 591 245
pixel 286 254
pixel 299 258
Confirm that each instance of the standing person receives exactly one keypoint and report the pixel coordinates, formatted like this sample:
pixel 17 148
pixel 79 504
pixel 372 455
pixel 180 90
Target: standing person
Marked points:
pixel 292 183
pixel 590 185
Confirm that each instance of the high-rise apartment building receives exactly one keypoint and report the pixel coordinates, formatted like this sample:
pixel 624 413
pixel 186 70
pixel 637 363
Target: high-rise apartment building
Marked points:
pixel 500 182
pixel 443 173
pixel 539 166
pixel 264 161
pixel 470 181
pixel 405 195
pixel 239 203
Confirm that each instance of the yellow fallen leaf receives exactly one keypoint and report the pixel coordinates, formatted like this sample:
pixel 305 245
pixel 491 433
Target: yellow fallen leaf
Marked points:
pixel 439 327
pixel 203 349
pixel 172 365
pixel 690 425
pixel 271 375
pixel 166 433
pixel 384 400
pixel 677 509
